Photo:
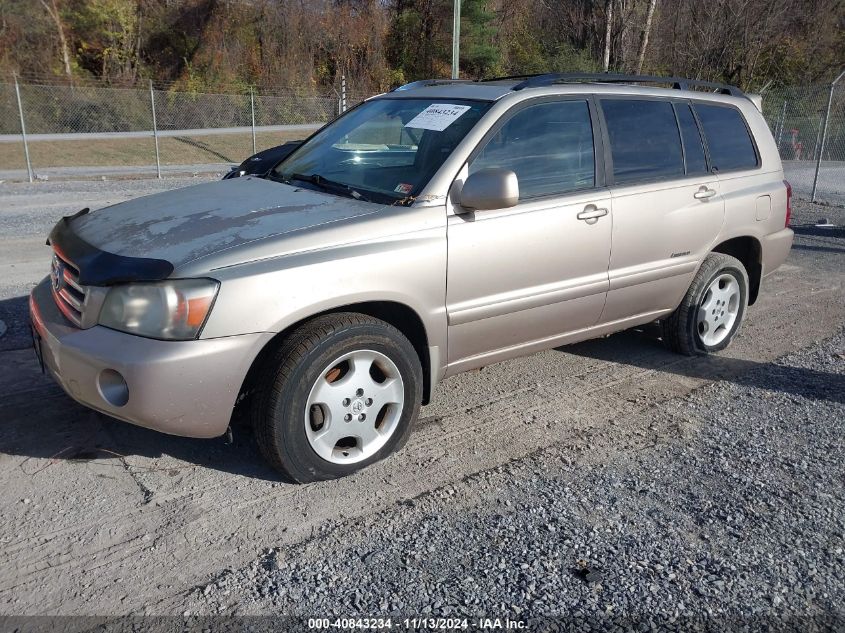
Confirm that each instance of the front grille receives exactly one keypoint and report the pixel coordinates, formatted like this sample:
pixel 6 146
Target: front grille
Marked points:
pixel 67 292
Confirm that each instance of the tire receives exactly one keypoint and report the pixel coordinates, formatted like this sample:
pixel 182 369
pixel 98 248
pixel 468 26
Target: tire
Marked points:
pixel 693 330
pixel 324 380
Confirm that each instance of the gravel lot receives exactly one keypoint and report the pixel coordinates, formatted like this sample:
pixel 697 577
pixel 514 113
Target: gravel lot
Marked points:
pixel 733 515
pixel 606 474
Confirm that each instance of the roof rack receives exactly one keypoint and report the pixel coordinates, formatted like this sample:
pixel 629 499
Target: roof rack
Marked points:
pixel 512 77
pixel 678 83
pixel 431 82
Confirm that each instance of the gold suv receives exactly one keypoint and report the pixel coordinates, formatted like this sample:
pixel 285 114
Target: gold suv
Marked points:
pixel 438 228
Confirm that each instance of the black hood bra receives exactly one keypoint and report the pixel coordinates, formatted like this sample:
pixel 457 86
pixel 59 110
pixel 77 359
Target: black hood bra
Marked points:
pixel 101 268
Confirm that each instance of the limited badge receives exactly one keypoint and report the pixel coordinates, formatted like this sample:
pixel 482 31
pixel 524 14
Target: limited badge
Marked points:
pixel 404 187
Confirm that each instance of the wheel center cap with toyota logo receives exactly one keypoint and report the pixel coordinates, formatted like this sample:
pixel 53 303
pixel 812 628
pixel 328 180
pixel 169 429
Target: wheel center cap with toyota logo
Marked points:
pixel 358 406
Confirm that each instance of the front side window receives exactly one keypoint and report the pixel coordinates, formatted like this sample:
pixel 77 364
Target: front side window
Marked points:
pixel 644 140
pixel 549 146
pixel 384 150
pixel 727 137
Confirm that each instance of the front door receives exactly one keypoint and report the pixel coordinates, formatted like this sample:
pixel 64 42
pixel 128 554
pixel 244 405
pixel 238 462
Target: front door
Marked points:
pixel 519 278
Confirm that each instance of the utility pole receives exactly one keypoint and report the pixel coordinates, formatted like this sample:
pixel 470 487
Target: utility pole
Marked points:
pixel 456 38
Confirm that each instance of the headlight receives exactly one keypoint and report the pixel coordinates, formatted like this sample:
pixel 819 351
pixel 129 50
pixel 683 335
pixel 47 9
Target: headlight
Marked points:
pixel 173 310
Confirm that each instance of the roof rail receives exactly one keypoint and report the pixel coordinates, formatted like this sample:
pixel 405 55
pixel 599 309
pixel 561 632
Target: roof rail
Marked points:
pixel 678 83
pixel 430 82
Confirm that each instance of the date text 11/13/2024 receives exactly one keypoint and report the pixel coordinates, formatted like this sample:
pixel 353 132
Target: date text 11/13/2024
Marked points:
pixel 436 624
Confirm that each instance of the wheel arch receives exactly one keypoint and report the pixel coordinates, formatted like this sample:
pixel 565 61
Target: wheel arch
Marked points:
pixel 748 250
pixel 402 317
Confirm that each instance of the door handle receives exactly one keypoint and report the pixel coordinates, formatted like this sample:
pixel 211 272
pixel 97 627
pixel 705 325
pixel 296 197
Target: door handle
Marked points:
pixel 704 193
pixel 591 214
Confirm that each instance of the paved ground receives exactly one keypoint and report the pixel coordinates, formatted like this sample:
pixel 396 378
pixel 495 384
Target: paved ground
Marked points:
pixel 830 188
pixel 102 517
pixel 205 170
pixel 210 131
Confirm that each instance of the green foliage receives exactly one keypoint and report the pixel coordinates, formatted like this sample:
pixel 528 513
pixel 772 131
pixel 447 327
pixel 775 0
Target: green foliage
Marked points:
pixel 567 58
pixel 106 34
pixel 229 45
pixel 480 53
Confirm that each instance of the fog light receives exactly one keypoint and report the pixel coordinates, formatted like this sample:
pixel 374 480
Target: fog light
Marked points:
pixel 113 387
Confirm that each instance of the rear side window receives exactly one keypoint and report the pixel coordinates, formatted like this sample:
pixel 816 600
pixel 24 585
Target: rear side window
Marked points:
pixel 644 140
pixel 693 149
pixel 549 146
pixel 727 137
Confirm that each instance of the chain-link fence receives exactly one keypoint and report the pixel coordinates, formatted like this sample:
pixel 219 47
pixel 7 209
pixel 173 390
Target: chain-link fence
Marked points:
pixel 95 130
pixel 92 131
pixel 808 124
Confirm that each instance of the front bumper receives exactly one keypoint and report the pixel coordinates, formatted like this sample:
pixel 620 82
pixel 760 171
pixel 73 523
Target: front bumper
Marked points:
pixel 184 388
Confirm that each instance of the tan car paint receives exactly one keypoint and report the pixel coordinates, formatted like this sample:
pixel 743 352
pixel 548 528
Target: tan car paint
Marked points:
pixel 486 285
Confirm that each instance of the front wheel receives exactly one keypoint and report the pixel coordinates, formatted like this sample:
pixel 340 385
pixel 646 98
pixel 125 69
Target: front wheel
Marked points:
pixel 712 310
pixel 340 392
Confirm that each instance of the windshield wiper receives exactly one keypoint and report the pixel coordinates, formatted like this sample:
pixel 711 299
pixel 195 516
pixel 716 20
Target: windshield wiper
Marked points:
pixel 329 185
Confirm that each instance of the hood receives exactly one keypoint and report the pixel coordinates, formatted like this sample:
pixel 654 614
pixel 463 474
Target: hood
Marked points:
pixel 182 225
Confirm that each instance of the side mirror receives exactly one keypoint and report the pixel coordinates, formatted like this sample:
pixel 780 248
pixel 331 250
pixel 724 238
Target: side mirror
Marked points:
pixel 492 188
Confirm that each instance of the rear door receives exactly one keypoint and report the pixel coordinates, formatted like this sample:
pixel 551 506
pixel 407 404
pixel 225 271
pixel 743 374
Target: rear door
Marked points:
pixel 667 206
pixel 748 190
pixel 521 276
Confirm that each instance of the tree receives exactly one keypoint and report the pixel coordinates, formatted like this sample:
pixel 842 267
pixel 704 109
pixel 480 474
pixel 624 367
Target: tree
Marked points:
pixel 608 31
pixel 652 5
pixel 479 52
pixel 108 36
pixel 55 14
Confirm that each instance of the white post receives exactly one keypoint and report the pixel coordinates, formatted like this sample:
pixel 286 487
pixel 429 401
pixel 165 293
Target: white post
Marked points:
pixel 780 126
pixel 23 129
pixel 155 128
pixel 456 38
pixel 252 108
pixel 824 134
pixel 343 93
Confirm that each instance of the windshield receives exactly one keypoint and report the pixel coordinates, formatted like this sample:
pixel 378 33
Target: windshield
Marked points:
pixel 385 150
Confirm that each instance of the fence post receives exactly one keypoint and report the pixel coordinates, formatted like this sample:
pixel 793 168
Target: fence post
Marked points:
pixel 23 129
pixel 252 110
pixel 824 134
pixel 155 128
pixel 780 125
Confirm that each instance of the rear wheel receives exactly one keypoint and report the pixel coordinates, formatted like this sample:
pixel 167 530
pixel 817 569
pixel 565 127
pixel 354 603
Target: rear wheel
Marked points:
pixel 712 310
pixel 341 392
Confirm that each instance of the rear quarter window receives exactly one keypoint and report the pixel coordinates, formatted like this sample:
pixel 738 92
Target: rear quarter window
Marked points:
pixel 645 143
pixel 728 140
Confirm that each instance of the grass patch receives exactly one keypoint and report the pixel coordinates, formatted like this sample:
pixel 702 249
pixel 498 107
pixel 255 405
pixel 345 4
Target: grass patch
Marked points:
pixel 179 150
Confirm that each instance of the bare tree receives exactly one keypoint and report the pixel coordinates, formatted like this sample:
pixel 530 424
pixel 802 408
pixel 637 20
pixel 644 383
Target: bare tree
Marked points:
pixel 652 5
pixel 53 11
pixel 607 33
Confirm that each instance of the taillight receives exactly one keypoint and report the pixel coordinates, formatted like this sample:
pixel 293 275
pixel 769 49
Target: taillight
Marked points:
pixel 788 202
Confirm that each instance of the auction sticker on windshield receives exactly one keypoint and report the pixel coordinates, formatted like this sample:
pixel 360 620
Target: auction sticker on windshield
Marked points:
pixel 437 116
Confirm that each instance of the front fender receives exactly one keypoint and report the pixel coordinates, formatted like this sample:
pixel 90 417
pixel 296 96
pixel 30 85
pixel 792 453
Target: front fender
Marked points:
pixel 274 294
